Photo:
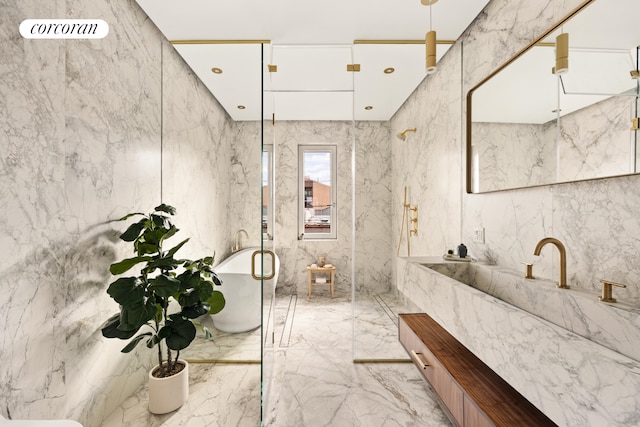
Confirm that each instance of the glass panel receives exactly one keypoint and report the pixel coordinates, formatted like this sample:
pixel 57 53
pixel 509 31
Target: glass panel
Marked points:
pixel 269 263
pixel 234 340
pixel 375 305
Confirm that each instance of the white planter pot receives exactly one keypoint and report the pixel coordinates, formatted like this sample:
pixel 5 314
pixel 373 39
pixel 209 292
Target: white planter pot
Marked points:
pixel 168 394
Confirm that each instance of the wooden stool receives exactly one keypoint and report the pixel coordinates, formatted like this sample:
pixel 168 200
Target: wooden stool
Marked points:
pixel 331 271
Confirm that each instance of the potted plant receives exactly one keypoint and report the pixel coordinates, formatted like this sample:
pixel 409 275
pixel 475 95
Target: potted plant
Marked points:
pixel 163 300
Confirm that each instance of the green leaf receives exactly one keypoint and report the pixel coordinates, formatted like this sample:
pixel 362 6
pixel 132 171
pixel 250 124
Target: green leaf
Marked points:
pixel 164 263
pixel 181 332
pixel 188 298
pixel 127 216
pixel 133 317
pixel 196 310
pixel 153 341
pixel 175 249
pixel 170 232
pixel 126 264
pixel 166 208
pixel 205 290
pixel 153 236
pixel 217 302
pixel 127 290
pixel 165 286
pixel 208 260
pixel 110 329
pixel 134 342
pixel 216 280
pixel 160 221
pixel 133 231
pixel 143 248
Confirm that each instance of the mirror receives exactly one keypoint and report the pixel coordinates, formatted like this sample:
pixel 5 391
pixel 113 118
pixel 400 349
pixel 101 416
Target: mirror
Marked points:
pixel 528 127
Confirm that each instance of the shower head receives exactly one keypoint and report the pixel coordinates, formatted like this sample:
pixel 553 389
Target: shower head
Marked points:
pixel 402 136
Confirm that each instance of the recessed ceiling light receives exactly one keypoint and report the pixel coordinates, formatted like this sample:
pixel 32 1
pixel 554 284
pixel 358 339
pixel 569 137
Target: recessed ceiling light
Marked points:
pixel 389 70
pixel 241 107
pixel 368 107
pixel 216 70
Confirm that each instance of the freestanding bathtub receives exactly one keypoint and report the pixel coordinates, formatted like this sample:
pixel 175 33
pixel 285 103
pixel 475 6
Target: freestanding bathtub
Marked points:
pixel 243 293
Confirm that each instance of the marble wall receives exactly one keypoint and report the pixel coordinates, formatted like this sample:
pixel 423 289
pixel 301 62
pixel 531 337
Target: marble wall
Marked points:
pixel 372 204
pixel 596 220
pixel 512 155
pixel 82 145
pixel 586 151
pixel 429 163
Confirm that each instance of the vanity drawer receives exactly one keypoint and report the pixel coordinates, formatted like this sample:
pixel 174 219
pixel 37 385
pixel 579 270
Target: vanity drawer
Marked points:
pixel 470 393
pixel 440 380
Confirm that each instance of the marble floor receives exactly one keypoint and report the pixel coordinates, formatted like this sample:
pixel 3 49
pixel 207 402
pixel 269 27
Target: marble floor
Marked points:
pixel 310 375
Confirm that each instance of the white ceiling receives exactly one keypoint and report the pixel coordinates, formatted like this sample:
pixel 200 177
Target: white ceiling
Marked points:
pixel 311 43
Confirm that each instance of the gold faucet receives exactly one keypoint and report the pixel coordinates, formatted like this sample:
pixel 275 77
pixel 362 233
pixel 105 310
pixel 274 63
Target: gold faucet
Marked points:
pixel 563 258
pixel 607 292
pixel 238 241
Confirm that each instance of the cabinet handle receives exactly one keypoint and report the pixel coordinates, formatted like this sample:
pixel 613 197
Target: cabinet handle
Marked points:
pixel 418 360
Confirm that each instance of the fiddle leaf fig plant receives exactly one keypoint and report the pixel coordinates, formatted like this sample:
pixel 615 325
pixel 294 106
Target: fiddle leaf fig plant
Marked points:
pixel 145 298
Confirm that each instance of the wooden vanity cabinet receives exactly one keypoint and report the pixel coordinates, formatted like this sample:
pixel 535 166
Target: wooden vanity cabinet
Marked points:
pixel 471 394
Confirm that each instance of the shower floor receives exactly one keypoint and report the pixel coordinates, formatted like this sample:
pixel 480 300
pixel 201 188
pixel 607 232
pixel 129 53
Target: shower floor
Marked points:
pixel 312 379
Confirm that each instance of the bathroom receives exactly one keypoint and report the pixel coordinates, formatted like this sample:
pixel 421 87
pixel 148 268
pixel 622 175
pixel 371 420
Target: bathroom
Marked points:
pixel 82 146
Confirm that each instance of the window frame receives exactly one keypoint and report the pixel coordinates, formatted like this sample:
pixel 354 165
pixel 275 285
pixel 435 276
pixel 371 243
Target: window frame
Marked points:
pixel 332 149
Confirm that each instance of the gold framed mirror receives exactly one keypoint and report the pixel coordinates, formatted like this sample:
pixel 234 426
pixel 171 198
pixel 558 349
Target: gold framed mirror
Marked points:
pixel 527 126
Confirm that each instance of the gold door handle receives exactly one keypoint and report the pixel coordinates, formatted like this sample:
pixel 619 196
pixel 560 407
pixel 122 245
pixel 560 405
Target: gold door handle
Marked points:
pixel 253 265
pixel 418 360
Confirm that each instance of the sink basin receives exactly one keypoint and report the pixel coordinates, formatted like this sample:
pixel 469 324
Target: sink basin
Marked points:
pixel 615 326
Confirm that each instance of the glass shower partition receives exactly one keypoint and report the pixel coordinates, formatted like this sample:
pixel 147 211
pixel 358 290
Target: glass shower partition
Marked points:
pixel 376 302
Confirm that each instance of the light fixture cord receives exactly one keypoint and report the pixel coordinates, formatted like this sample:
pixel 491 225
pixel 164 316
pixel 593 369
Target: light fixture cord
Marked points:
pixel 430 18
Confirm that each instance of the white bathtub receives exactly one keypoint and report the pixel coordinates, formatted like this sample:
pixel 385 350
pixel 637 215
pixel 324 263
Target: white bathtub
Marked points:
pixel 243 293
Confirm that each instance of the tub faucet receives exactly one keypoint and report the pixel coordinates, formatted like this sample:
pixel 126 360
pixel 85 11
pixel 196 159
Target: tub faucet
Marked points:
pixel 563 258
pixel 238 245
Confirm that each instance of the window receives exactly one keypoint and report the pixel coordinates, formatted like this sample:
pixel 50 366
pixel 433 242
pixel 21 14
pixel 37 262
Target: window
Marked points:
pixel 317 195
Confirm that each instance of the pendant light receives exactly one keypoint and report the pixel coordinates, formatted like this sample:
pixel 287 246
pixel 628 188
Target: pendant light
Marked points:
pixel 430 41
pixel 562 54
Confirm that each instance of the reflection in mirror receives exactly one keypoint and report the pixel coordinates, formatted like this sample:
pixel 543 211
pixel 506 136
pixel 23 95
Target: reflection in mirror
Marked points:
pixel 527 126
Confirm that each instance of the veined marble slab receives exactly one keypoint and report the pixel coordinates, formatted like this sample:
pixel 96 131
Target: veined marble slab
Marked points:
pixel 613 325
pixel 574 381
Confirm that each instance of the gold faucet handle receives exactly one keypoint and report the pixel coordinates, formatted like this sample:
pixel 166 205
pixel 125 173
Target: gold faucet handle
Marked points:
pixel 528 270
pixel 607 293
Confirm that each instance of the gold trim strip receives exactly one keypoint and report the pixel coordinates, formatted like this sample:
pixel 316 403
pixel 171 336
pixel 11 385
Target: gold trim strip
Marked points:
pixel 401 41
pixel 220 41
pixel 227 361
pixel 382 361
